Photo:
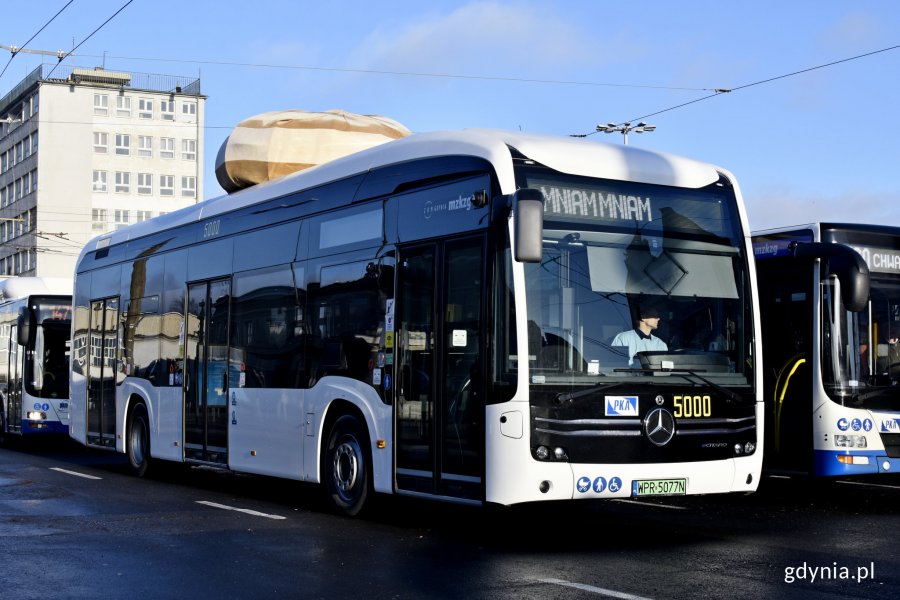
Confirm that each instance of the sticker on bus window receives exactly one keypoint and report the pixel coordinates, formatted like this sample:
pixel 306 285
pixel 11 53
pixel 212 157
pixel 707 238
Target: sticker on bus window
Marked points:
pixel 459 338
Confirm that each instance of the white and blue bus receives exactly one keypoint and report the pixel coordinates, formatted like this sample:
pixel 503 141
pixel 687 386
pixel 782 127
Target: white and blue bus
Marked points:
pixel 831 335
pixel 434 317
pixel 35 325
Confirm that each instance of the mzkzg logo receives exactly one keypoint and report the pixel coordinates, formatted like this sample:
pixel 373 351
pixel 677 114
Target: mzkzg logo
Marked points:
pixel 447 206
pixel 621 406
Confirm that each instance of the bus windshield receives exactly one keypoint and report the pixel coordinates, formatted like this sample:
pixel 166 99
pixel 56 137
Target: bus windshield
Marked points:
pixel 48 363
pixel 637 280
pixel 862 350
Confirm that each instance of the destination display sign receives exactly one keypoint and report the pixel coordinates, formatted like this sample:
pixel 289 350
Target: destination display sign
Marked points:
pixel 880 260
pixel 647 206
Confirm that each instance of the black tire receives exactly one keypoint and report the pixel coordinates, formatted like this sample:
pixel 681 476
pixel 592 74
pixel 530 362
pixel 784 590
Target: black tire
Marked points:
pixel 347 469
pixel 137 442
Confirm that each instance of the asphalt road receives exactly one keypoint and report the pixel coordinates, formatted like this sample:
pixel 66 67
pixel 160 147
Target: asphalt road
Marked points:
pixel 74 524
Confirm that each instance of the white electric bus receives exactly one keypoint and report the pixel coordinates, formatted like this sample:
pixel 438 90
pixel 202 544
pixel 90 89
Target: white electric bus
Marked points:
pixel 434 317
pixel 35 325
pixel 831 335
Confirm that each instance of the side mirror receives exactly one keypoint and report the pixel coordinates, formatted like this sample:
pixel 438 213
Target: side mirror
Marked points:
pixel 528 217
pixel 26 327
pixel 844 262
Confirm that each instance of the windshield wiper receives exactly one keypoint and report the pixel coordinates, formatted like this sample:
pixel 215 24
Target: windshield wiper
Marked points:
pixel 560 398
pixel 731 396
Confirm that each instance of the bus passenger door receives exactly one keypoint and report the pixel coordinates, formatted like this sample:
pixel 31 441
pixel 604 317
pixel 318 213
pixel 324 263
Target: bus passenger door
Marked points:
pixel 439 407
pixel 206 372
pixel 14 383
pixel 103 344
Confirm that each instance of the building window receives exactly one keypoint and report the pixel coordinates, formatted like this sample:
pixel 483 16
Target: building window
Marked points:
pixel 26 184
pixel 122 218
pixel 145 184
pixel 3 200
pixel 167 147
pixel 3 160
pixel 26 146
pixel 101 142
pixel 123 106
pixel 167 110
pixel 188 110
pixel 34 138
pixel 20 152
pixel 189 187
pixel 19 192
pixel 143 215
pixel 145 108
pixel 189 149
pixel 101 104
pixel 166 185
pixel 123 182
pixel 34 180
pixel 100 181
pixel 123 144
pixel 98 218
pixel 145 145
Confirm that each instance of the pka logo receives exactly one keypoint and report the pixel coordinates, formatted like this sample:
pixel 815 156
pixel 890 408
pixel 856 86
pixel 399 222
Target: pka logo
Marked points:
pixel 621 406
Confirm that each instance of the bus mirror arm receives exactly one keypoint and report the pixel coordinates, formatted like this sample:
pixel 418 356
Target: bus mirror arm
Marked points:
pixel 844 262
pixel 26 327
pixel 528 219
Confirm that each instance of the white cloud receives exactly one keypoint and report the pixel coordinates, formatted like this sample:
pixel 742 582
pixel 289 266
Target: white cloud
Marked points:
pixel 483 38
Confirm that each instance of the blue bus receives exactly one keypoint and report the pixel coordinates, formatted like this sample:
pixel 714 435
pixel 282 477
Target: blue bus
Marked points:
pixel 35 329
pixel 830 303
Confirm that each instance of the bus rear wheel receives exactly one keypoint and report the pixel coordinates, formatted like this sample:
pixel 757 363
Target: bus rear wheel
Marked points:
pixel 346 470
pixel 137 445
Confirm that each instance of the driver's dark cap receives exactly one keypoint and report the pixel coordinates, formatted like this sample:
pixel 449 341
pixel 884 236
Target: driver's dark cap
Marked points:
pixel 650 311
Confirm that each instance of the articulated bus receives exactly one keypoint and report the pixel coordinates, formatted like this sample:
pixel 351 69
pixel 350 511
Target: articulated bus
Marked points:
pixel 831 335
pixel 435 317
pixel 35 325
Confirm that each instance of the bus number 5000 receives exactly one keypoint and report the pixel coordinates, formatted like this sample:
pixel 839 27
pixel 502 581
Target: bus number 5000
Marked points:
pixel 693 406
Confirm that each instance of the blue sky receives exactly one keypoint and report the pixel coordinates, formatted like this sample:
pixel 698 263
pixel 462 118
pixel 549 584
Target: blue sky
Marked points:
pixel 815 146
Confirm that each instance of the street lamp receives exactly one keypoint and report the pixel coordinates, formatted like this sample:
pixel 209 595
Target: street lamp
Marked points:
pixel 625 128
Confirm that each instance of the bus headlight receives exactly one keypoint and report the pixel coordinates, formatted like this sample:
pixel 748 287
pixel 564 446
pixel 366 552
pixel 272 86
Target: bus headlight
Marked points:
pixel 850 441
pixel 749 448
pixel 560 453
pixel 36 415
pixel 542 452
pixel 738 449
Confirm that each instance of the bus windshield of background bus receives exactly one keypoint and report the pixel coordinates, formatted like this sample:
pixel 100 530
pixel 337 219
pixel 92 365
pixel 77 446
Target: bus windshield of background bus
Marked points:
pixel 48 364
pixel 862 350
pixel 636 278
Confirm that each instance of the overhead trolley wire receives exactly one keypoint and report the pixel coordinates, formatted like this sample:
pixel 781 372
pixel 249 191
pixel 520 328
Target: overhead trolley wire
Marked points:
pixel 67 54
pixel 13 53
pixel 722 91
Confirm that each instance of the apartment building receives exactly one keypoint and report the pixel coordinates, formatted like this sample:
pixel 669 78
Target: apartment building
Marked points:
pixel 85 151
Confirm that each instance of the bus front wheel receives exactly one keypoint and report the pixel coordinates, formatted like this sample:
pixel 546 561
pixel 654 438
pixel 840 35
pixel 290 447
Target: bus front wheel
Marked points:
pixel 138 441
pixel 346 468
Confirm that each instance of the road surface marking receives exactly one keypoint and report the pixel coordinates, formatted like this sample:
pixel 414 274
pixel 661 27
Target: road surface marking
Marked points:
pixel 593 590
pixel 242 510
pixel 75 473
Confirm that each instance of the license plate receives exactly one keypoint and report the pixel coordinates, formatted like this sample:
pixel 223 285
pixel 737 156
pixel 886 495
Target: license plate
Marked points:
pixel 659 487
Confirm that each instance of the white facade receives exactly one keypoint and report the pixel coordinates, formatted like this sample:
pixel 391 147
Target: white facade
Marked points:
pixel 85 152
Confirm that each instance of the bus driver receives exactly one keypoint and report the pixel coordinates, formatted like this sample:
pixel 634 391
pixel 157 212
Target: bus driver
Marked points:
pixel 641 338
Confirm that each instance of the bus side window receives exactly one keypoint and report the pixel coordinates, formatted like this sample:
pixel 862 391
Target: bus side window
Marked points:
pixel 266 340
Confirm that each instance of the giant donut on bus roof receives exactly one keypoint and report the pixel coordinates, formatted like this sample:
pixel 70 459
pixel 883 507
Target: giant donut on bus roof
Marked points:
pixel 273 144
